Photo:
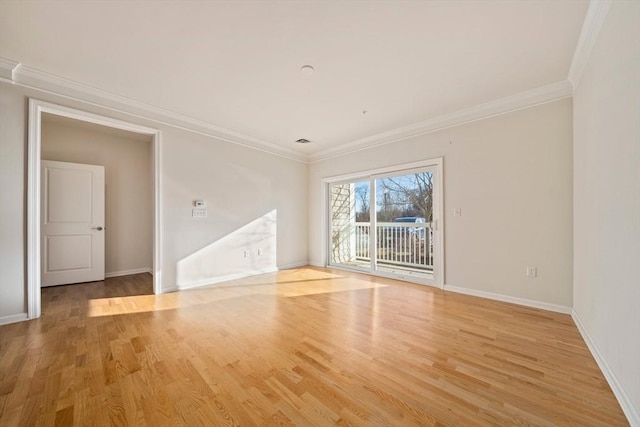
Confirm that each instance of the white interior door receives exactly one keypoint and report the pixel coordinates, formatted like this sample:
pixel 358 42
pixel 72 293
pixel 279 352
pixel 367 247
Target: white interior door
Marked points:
pixel 72 226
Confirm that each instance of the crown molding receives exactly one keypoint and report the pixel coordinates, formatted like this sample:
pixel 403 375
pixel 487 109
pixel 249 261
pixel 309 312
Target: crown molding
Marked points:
pixel 7 68
pixel 541 95
pixel 31 77
pixel 593 22
pixel 27 76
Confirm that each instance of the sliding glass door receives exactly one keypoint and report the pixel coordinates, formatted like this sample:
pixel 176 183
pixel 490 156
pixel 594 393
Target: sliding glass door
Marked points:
pixel 386 223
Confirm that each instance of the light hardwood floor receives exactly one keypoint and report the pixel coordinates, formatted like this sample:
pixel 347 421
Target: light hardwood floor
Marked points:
pixel 300 347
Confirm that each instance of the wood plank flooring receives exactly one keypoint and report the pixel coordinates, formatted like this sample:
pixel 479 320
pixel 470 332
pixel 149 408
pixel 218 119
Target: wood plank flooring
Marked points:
pixel 306 347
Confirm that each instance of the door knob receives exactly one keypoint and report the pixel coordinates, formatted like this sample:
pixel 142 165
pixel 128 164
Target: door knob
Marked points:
pixel 97 228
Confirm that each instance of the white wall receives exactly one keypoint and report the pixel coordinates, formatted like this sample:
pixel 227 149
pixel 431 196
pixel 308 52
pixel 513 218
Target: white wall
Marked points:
pixel 127 159
pixel 13 286
pixel 607 198
pixel 257 198
pixel 240 186
pixel 512 177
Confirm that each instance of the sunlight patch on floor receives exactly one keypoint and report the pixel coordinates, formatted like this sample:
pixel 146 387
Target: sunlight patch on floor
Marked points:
pixel 283 284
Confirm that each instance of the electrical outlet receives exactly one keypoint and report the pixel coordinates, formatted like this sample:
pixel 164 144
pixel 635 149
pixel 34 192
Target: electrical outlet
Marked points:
pixel 246 254
pixel 532 271
pixel 198 213
pixel 259 252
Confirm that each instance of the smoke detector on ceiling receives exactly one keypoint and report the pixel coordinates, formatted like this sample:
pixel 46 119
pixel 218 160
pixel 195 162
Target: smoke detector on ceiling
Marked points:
pixel 303 141
pixel 307 69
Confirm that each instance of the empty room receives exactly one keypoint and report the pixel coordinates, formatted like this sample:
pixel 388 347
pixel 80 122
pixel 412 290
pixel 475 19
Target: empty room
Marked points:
pixel 315 213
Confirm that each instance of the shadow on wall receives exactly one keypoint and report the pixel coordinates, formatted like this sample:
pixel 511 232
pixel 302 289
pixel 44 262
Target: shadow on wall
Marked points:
pixel 249 250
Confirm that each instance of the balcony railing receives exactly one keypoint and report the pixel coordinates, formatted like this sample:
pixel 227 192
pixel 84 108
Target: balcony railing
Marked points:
pixel 407 245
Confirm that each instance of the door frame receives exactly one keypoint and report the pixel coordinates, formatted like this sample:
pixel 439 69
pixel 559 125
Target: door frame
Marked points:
pixel 36 108
pixel 438 164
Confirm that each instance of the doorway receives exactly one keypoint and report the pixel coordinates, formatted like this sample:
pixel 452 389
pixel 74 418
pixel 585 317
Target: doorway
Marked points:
pixel 36 110
pixel 388 222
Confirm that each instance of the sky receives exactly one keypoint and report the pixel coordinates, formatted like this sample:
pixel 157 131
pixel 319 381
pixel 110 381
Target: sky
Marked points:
pixel 363 188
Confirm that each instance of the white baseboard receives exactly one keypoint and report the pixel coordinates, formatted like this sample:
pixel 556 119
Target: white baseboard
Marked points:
pixel 5 320
pixel 214 280
pixel 632 414
pixel 127 272
pixel 293 265
pixel 514 300
pixel 316 264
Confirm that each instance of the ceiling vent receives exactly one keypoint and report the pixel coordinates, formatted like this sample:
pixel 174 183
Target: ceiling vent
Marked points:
pixel 303 141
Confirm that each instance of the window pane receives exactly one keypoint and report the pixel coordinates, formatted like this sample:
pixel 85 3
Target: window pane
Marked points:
pixel 349 217
pixel 404 211
pixel 405 196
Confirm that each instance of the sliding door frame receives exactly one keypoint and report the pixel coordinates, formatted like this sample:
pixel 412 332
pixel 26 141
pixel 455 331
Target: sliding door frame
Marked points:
pixel 437 165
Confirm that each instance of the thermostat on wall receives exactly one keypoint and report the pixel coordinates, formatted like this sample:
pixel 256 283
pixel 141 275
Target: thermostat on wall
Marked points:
pixel 198 203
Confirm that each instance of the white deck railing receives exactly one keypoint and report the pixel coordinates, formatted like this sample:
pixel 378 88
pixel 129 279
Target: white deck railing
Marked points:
pixel 403 244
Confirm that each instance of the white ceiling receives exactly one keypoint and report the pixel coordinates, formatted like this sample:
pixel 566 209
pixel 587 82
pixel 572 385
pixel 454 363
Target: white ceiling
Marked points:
pixel 236 64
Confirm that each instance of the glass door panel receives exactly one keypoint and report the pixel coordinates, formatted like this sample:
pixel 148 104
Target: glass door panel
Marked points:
pixel 404 214
pixel 349 224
